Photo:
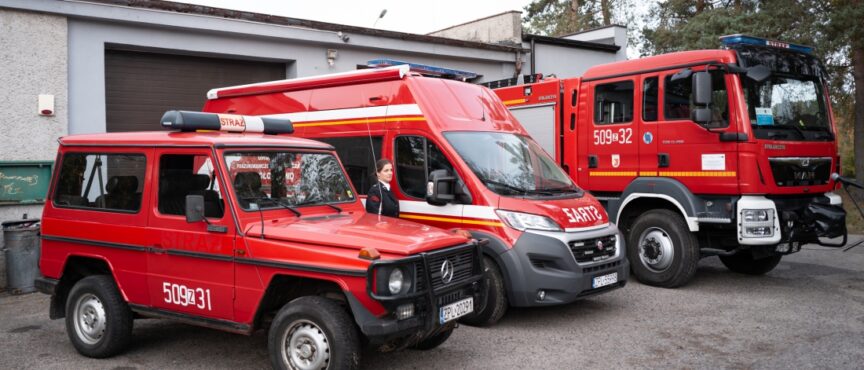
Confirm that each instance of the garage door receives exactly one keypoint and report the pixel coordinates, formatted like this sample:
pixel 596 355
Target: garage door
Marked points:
pixel 140 86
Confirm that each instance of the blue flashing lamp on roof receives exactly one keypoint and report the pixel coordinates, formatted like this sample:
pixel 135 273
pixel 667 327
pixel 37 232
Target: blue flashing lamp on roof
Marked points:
pixel 426 69
pixel 731 40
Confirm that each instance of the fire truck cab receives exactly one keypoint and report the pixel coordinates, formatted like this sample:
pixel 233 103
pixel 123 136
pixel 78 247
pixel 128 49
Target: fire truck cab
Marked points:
pixel 239 230
pixel 460 161
pixel 698 153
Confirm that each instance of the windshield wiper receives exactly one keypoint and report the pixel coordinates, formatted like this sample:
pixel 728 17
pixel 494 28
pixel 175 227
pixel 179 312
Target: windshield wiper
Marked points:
pixel 515 188
pixel 563 190
pixel 334 207
pixel 786 128
pixel 288 207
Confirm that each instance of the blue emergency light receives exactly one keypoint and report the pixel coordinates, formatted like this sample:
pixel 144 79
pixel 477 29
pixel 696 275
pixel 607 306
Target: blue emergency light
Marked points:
pixel 731 40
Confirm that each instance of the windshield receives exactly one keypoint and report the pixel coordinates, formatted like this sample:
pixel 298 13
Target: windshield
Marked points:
pixel 509 164
pixel 264 180
pixel 788 107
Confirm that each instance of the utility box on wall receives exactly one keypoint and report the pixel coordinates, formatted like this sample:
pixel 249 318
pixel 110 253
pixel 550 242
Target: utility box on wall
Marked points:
pixel 24 182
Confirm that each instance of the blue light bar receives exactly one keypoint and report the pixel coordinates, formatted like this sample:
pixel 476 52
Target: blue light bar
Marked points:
pixel 730 40
pixel 424 69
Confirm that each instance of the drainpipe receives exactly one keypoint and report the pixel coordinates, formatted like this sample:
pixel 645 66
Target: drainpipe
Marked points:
pixel 533 59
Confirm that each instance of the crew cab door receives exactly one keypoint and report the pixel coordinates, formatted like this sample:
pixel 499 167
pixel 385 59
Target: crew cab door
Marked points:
pixel 190 265
pixel 612 153
pixel 695 156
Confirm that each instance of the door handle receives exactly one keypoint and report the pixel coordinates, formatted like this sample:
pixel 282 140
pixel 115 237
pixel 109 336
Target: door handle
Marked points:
pixel 592 161
pixel 663 160
pixel 157 250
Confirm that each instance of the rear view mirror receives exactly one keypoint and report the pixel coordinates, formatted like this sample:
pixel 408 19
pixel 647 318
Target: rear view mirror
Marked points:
pixel 701 116
pixel 194 208
pixel 758 73
pixel 440 189
pixel 702 88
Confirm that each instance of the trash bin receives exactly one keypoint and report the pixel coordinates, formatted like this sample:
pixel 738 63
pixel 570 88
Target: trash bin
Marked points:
pixel 21 247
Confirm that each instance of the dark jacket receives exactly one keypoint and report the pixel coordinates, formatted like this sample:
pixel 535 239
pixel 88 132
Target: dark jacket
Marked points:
pixel 376 194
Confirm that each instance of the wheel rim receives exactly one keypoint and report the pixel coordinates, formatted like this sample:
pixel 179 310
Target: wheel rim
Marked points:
pixel 305 346
pixel 89 318
pixel 656 250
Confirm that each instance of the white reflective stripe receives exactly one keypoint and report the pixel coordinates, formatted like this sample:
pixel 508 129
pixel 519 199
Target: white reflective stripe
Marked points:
pixel 452 210
pixel 351 113
pixel 254 124
pixel 403 70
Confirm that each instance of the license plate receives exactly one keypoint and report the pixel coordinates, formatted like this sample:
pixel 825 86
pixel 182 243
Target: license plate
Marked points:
pixel 605 280
pixel 456 310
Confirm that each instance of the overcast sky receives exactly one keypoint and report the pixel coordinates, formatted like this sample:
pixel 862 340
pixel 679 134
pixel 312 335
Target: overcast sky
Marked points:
pixel 402 15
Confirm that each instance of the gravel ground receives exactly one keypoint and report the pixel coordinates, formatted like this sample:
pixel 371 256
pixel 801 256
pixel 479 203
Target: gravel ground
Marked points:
pixel 807 313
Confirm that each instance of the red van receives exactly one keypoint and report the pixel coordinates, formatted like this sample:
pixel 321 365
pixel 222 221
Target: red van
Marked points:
pixel 239 231
pixel 461 161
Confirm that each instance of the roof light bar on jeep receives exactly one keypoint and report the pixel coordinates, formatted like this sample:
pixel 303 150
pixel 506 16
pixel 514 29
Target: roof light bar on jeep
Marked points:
pixel 329 80
pixel 757 41
pixel 192 121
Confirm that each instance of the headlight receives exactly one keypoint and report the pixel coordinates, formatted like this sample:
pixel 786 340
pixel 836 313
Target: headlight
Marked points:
pixel 523 221
pixel 756 215
pixel 396 281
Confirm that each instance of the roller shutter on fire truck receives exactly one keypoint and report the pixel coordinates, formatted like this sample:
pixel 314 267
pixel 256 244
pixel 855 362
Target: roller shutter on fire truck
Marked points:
pixel 536 120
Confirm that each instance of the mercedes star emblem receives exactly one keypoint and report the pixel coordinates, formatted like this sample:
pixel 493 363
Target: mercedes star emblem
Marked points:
pixel 599 245
pixel 446 271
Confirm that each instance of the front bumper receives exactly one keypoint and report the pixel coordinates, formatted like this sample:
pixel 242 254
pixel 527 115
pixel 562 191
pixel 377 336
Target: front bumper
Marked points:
pixel 797 220
pixel 389 333
pixel 543 261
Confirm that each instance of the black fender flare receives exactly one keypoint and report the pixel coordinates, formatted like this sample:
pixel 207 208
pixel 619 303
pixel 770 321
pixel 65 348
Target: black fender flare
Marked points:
pixel 668 189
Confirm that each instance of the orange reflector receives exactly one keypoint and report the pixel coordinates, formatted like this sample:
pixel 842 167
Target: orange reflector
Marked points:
pixel 463 232
pixel 369 253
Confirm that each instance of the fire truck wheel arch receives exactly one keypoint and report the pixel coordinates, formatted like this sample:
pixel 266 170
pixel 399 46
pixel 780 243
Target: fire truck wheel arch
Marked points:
pixel 667 189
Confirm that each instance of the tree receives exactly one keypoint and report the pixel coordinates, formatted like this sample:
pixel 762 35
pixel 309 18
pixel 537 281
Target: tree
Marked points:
pixel 834 27
pixel 559 17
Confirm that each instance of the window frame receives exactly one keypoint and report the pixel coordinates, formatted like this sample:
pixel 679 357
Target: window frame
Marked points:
pixel 596 85
pixel 158 180
pixel 669 74
pixel 57 181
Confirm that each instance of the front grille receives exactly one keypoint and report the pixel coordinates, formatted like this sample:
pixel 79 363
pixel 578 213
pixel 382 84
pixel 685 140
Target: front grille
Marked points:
pixel 592 250
pixel 800 171
pixel 451 298
pixel 601 267
pixel 461 262
pixel 420 284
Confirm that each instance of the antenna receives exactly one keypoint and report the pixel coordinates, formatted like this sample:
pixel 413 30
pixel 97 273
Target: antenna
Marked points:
pixel 383 13
pixel 372 150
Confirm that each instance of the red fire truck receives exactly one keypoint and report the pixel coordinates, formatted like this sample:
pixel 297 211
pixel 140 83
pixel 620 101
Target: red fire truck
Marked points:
pixel 460 161
pixel 698 153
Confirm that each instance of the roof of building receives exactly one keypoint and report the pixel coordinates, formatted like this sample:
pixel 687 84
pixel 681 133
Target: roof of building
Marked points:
pixel 175 138
pixel 296 22
pixel 572 43
pixel 476 20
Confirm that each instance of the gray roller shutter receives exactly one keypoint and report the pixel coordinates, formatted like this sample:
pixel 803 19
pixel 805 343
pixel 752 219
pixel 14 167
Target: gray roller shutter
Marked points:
pixel 539 121
pixel 141 86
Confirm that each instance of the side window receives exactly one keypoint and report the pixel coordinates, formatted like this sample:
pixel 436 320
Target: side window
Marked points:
pixel 677 99
pixel 650 99
pixel 111 182
pixel 358 155
pixel 411 165
pixel 186 174
pixel 613 103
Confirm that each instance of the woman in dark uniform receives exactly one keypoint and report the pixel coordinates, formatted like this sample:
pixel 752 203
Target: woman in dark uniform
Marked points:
pixel 380 200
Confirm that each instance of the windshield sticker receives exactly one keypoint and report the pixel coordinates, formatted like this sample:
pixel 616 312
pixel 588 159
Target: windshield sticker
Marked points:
pixel 764 117
pixel 713 162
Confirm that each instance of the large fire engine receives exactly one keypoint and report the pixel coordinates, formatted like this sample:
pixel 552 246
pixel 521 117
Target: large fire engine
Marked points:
pixel 698 153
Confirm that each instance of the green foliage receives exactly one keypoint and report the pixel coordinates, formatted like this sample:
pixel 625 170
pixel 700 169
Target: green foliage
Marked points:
pixel 560 17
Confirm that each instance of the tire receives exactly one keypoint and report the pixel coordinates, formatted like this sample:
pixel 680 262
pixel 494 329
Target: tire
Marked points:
pixel 744 263
pixel 662 250
pixel 98 320
pixel 496 297
pixel 434 341
pixel 323 334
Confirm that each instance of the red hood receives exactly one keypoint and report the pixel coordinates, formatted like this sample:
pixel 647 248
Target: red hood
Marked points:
pixel 569 213
pixel 357 230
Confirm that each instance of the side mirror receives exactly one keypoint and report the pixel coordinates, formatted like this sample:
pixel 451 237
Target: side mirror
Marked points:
pixel 194 208
pixel 702 88
pixel 440 189
pixel 701 116
pixel 758 73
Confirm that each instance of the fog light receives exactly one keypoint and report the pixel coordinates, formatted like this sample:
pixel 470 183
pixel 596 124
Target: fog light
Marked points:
pixel 541 295
pixel 782 248
pixel 404 311
pixel 759 231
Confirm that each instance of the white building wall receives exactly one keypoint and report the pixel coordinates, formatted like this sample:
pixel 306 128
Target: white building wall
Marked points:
pixel 32 62
pixel 500 28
